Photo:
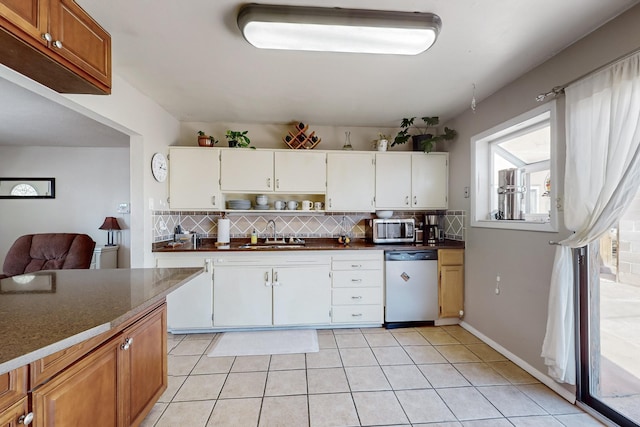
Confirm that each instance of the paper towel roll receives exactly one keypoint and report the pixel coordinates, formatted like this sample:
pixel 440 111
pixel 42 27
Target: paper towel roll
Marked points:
pixel 223 230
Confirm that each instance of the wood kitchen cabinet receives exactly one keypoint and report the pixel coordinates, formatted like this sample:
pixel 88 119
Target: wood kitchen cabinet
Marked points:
pixel 411 180
pixel 13 397
pixel 194 178
pixel 266 291
pixel 56 43
pixel 451 282
pixel 116 383
pixel 350 182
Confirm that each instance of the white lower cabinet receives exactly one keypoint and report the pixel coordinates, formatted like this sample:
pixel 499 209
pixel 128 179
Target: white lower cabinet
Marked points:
pixel 242 296
pixel 190 307
pixel 271 290
pixel 357 292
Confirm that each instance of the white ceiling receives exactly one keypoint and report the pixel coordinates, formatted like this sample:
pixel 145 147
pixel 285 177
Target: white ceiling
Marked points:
pixel 190 57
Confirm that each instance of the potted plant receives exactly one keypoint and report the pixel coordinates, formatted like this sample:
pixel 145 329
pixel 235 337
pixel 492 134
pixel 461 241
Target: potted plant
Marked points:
pixel 423 140
pixel 238 139
pixel 206 141
pixel 383 142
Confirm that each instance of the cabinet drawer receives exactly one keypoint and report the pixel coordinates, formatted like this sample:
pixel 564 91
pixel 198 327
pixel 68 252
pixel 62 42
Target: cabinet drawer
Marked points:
pixel 451 256
pixel 355 265
pixel 357 314
pixel 356 296
pixel 364 278
pixel 13 387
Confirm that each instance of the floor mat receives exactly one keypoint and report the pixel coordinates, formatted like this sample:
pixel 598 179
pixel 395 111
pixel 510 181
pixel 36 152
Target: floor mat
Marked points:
pixel 265 342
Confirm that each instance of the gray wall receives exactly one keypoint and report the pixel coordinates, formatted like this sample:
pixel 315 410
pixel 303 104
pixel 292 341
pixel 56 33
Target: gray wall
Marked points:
pixel 516 318
pixel 90 182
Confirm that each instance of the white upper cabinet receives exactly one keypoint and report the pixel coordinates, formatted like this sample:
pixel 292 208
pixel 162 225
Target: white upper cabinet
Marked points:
pixel 246 171
pixel 194 178
pixel 411 180
pixel 300 172
pixel 265 171
pixel 393 180
pixel 350 181
pixel 429 180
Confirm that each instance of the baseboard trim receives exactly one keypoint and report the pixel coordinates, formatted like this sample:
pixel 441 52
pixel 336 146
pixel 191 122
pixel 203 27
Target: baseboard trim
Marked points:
pixel 543 378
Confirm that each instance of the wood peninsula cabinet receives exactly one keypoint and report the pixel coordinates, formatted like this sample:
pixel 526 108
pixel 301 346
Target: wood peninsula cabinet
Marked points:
pixel 13 397
pixel 93 350
pixel 451 282
pixel 116 383
pixel 56 43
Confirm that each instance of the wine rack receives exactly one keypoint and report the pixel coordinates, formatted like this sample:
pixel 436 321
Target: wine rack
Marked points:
pixel 299 138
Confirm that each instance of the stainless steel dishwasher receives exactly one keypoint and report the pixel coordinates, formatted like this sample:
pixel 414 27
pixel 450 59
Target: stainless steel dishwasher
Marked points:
pixel 411 287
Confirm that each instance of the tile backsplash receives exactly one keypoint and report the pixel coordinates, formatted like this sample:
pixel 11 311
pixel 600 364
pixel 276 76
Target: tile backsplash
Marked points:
pixel 291 224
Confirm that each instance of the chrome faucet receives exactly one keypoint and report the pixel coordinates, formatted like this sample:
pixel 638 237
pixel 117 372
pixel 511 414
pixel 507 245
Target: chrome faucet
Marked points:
pixel 272 222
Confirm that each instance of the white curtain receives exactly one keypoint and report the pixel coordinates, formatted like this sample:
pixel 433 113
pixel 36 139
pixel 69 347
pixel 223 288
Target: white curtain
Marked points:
pixel 602 175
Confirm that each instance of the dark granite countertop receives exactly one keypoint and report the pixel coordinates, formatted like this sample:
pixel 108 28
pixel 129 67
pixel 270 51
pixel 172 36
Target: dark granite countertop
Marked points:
pixel 47 311
pixel 311 244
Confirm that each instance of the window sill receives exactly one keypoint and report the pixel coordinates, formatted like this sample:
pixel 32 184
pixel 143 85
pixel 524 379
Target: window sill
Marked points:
pixel 547 227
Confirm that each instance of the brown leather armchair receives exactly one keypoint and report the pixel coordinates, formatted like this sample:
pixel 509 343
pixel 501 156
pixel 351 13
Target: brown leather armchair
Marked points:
pixel 48 251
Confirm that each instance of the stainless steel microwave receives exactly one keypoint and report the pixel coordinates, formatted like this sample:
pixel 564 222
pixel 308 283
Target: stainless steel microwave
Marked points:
pixel 392 230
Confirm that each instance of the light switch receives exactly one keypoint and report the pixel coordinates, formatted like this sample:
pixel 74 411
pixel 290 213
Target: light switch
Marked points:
pixel 124 208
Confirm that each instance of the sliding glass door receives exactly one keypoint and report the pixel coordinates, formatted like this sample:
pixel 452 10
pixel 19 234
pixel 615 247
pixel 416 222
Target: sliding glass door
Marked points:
pixel 609 276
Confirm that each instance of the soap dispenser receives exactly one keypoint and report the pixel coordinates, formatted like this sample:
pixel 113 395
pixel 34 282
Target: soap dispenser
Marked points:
pixel 254 237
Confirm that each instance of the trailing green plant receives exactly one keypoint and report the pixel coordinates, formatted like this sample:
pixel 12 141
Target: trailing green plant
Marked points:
pixel 240 137
pixel 427 143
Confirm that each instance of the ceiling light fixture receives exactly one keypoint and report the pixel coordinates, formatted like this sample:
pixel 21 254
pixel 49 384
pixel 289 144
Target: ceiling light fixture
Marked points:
pixel 338 30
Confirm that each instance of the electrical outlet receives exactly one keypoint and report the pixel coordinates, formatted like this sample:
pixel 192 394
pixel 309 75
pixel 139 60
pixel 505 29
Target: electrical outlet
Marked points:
pixel 498 284
pixel 466 192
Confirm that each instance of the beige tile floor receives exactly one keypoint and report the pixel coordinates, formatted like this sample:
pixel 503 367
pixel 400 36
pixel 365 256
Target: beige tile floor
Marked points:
pixel 431 376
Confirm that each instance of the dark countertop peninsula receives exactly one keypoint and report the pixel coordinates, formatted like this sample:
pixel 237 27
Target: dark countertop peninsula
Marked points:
pixel 311 244
pixel 47 311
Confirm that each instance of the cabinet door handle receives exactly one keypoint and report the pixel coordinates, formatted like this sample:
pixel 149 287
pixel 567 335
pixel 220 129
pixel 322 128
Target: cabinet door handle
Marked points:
pixel 213 200
pixel 415 200
pixel 356 315
pixel 330 204
pixel 267 282
pixel 277 182
pixel 268 182
pixel 406 200
pixel 356 280
pixel 57 44
pixel 356 265
pixel 275 279
pixel 47 37
pixel 26 419
pixel 356 297
pixel 127 343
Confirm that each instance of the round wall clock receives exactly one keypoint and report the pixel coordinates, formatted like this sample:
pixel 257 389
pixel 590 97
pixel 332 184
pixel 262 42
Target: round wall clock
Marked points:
pixel 159 167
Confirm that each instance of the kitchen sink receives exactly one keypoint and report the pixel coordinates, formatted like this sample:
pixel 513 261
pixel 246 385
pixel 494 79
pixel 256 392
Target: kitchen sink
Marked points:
pixel 272 246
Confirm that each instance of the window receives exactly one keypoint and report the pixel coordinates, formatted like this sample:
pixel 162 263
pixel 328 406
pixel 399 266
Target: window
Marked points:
pixel 514 170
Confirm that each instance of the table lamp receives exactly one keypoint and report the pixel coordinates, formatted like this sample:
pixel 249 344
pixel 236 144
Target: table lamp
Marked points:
pixel 110 223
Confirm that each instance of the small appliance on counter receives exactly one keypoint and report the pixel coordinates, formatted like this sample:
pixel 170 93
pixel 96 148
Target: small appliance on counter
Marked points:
pixel 387 230
pixel 434 229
